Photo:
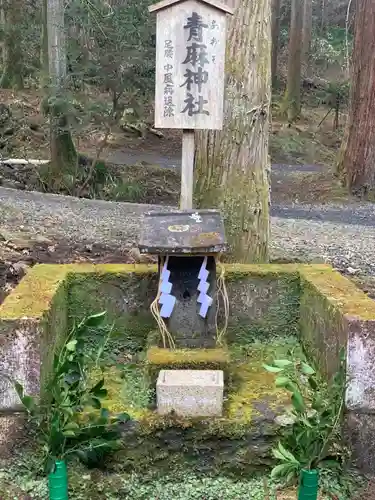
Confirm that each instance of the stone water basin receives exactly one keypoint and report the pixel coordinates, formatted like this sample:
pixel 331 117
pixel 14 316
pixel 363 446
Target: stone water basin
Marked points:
pixel 272 307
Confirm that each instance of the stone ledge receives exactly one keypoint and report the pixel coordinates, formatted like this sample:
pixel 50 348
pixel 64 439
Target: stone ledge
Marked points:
pixel 34 293
pixel 33 296
pixel 158 358
pixel 340 292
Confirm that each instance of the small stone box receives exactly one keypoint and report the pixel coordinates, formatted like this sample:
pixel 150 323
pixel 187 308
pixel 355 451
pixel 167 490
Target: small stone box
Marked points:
pixel 187 243
pixel 190 393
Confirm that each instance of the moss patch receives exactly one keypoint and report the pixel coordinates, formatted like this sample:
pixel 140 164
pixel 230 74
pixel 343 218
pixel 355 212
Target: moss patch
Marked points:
pixel 253 392
pixel 339 291
pixel 237 442
pixel 158 358
pixel 129 389
pixel 33 297
pixel 161 357
pixel 240 271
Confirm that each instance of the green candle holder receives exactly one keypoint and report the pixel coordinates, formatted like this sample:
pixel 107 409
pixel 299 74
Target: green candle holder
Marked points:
pixel 58 482
pixel 309 485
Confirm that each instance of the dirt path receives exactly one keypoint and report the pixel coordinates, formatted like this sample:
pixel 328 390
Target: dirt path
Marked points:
pixel 130 157
pixel 358 214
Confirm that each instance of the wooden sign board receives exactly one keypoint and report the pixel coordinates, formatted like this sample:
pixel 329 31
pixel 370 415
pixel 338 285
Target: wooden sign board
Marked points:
pixel 190 60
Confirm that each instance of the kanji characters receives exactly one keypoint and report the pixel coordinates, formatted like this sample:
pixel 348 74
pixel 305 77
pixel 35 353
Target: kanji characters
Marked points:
pixel 194 107
pixel 169 106
pixel 197 57
pixel 198 78
pixel 195 26
pixel 168 49
pixel 196 53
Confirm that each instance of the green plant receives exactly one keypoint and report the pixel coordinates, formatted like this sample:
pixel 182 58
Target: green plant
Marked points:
pixel 338 485
pixel 136 391
pixel 314 438
pixel 121 190
pixel 70 419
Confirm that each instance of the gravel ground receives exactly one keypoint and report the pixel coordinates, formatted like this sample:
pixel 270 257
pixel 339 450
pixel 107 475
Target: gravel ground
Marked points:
pixel 348 247
pixel 318 233
pixel 71 219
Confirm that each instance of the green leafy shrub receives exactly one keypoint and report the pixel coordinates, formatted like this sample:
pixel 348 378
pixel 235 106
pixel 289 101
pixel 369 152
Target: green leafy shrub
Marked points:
pixel 314 436
pixel 70 419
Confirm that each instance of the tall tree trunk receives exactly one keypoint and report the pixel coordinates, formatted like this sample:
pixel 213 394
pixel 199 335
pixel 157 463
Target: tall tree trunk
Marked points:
pixel 2 25
pixel 357 159
pixel 307 30
pixel 323 19
pixel 63 153
pixel 232 165
pixel 275 32
pixel 44 46
pixel 293 89
pixel 12 73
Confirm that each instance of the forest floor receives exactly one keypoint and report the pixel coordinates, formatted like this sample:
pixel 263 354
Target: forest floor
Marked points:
pixel 303 155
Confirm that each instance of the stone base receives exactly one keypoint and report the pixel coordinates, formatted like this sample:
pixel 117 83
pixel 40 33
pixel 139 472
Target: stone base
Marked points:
pixel 190 393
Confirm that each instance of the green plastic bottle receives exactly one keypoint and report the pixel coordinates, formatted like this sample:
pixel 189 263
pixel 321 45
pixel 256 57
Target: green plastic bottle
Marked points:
pixel 58 482
pixel 309 485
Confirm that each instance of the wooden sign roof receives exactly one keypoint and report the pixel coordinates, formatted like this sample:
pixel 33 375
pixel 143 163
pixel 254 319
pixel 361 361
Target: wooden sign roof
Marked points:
pixel 216 4
pixel 182 232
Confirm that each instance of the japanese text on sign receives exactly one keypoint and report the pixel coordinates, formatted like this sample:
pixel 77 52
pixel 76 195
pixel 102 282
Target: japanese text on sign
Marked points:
pixel 169 106
pixel 190 60
pixel 197 57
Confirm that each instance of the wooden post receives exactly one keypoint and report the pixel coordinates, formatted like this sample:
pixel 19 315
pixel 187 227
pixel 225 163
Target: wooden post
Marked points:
pixel 187 170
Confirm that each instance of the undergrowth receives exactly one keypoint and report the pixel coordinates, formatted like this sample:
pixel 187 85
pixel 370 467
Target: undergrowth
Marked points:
pixel 18 484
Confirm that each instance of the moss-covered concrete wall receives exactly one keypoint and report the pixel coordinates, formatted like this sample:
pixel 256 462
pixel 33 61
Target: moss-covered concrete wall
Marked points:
pixel 326 309
pixel 331 308
pixel 33 320
pixel 322 324
pixel 125 292
pixel 264 301
pixel 335 313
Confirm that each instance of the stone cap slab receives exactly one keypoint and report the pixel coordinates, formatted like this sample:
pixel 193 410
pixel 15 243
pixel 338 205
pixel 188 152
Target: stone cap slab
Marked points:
pixel 208 378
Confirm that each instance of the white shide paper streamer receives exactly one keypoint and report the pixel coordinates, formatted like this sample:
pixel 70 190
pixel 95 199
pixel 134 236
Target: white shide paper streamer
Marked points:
pixel 166 300
pixel 203 286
